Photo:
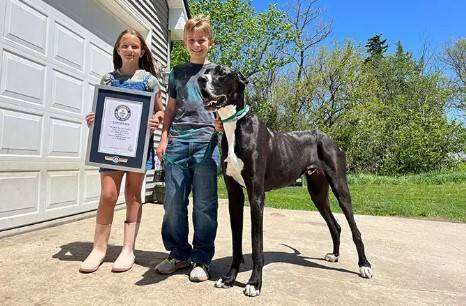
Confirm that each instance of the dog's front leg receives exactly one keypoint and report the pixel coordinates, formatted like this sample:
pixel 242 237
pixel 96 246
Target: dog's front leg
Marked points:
pixel 256 199
pixel 236 208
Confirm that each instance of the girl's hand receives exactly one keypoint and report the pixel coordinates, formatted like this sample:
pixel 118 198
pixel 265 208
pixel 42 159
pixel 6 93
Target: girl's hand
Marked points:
pixel 90 119
pixel 161 149
pixel 218 124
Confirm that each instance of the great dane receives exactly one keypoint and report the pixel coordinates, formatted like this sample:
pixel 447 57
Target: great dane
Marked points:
pixel 258 159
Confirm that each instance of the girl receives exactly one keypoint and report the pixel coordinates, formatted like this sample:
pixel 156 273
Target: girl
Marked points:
pixel 134 69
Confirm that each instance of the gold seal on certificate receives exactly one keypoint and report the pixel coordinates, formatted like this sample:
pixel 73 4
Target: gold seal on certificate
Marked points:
pixel 118 139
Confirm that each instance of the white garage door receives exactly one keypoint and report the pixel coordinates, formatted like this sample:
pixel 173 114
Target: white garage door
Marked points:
pixel 48 65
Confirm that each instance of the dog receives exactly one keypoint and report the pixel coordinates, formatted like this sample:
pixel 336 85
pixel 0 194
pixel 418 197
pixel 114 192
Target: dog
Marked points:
pixel 259 160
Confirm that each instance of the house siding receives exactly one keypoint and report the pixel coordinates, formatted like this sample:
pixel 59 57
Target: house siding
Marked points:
pixel 156 13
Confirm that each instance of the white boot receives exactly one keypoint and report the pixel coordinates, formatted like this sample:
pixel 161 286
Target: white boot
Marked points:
pixel 99 249
pixel 125 260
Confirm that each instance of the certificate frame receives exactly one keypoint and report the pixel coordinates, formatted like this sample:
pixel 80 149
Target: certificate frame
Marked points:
pixel 98 152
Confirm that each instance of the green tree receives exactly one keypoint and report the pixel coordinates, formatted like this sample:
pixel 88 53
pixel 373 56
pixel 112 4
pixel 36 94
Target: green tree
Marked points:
pixel 376 47
pixel 334 83
pixel 248 41
pixel 404 130
pixel 389 118
pixel 253 43
pixel 308 31
pixel 454 57
pixel 178 54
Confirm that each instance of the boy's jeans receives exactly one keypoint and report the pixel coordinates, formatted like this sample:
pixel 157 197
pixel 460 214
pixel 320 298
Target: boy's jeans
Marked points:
pixel 190 165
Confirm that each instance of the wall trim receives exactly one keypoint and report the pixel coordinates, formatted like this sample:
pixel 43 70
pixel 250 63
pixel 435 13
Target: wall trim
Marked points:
pixel 129 16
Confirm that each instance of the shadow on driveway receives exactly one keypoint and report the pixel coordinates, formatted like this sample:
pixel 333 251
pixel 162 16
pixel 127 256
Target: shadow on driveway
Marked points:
pixel 78 251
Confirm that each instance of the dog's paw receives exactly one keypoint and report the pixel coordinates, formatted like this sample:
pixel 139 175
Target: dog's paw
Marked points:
pixel 331 257
pixel 251 291
pixel 221 284
pixel 366 272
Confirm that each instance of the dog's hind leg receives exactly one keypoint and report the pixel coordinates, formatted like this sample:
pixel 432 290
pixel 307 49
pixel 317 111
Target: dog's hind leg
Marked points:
pixel 235 206
pixel 317 186
pixel 334 165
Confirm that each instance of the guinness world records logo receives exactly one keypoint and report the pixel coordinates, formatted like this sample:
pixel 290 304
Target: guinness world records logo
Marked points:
pixel 122 112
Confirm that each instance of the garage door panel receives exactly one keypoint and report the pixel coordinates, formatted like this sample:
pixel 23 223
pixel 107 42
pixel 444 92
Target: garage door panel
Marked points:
pixel 21 133
pixel 14 200
pixel 67 92
pixel 62 189
pixel 22 78
pixel 69 47
pixel 65 138
pixel 34 35
pixel 49 64
pixel 91 186
pixel 100 61
pixel 2 17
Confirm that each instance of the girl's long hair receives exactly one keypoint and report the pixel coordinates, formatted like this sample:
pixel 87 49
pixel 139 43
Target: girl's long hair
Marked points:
pixel 146 62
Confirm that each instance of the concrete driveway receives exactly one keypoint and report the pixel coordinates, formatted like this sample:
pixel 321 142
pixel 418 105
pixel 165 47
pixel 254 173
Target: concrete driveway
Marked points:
pixel 414 261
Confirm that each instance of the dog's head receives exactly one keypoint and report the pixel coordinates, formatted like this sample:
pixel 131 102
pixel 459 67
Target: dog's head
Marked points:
pixel 221 86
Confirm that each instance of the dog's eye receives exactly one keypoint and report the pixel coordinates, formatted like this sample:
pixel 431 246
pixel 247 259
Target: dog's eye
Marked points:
pixel 207 71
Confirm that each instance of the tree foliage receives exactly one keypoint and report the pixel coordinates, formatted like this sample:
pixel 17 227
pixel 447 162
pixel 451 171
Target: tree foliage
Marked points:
pixel 376 47
pixel 384 109
pixel 388 114
pixel 454 57
pixel 248 41
pixel 405 127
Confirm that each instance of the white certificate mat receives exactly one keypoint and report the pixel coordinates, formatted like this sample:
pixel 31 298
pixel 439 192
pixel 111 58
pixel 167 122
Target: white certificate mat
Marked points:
pixel 121 120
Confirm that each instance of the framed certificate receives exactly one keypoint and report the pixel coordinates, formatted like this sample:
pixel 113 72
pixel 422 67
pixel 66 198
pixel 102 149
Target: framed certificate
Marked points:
pixel 119 136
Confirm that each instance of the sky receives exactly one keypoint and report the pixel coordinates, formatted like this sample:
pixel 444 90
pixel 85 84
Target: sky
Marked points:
pixel 413 22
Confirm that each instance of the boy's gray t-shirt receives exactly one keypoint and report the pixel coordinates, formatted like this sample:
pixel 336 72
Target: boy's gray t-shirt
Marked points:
pixel 191 122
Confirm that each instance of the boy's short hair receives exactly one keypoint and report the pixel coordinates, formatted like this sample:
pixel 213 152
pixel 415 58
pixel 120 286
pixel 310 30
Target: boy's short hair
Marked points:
pixel 199 23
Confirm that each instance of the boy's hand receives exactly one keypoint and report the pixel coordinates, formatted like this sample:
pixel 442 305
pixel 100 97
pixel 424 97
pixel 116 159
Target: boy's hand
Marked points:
pixel 90 119
pixel 159 116
pixel 161 149
pixel 154 122
pixel 218 124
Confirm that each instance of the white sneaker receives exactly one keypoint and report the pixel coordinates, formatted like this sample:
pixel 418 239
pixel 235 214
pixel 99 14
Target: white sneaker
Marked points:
pixel 199 273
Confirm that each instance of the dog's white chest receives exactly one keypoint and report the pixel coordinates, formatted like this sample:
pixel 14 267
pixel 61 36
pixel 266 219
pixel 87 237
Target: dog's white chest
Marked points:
pixel 234 167
pixel 234 163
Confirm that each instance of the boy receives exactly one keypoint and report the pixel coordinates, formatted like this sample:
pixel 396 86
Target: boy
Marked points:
pixel 188 147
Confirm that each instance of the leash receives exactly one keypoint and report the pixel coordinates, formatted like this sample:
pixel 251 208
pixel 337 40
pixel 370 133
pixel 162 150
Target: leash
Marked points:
pixel 235 117
pixel 238 115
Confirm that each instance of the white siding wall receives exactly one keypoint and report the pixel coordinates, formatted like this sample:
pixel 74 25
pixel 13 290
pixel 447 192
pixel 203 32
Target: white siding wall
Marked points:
pixel 52 52
pixel 156 12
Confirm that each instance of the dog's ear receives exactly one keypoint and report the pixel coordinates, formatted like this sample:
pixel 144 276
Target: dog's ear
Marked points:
pixel 242 78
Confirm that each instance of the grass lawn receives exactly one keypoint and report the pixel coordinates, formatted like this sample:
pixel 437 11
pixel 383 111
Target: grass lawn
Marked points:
pixel 433 195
